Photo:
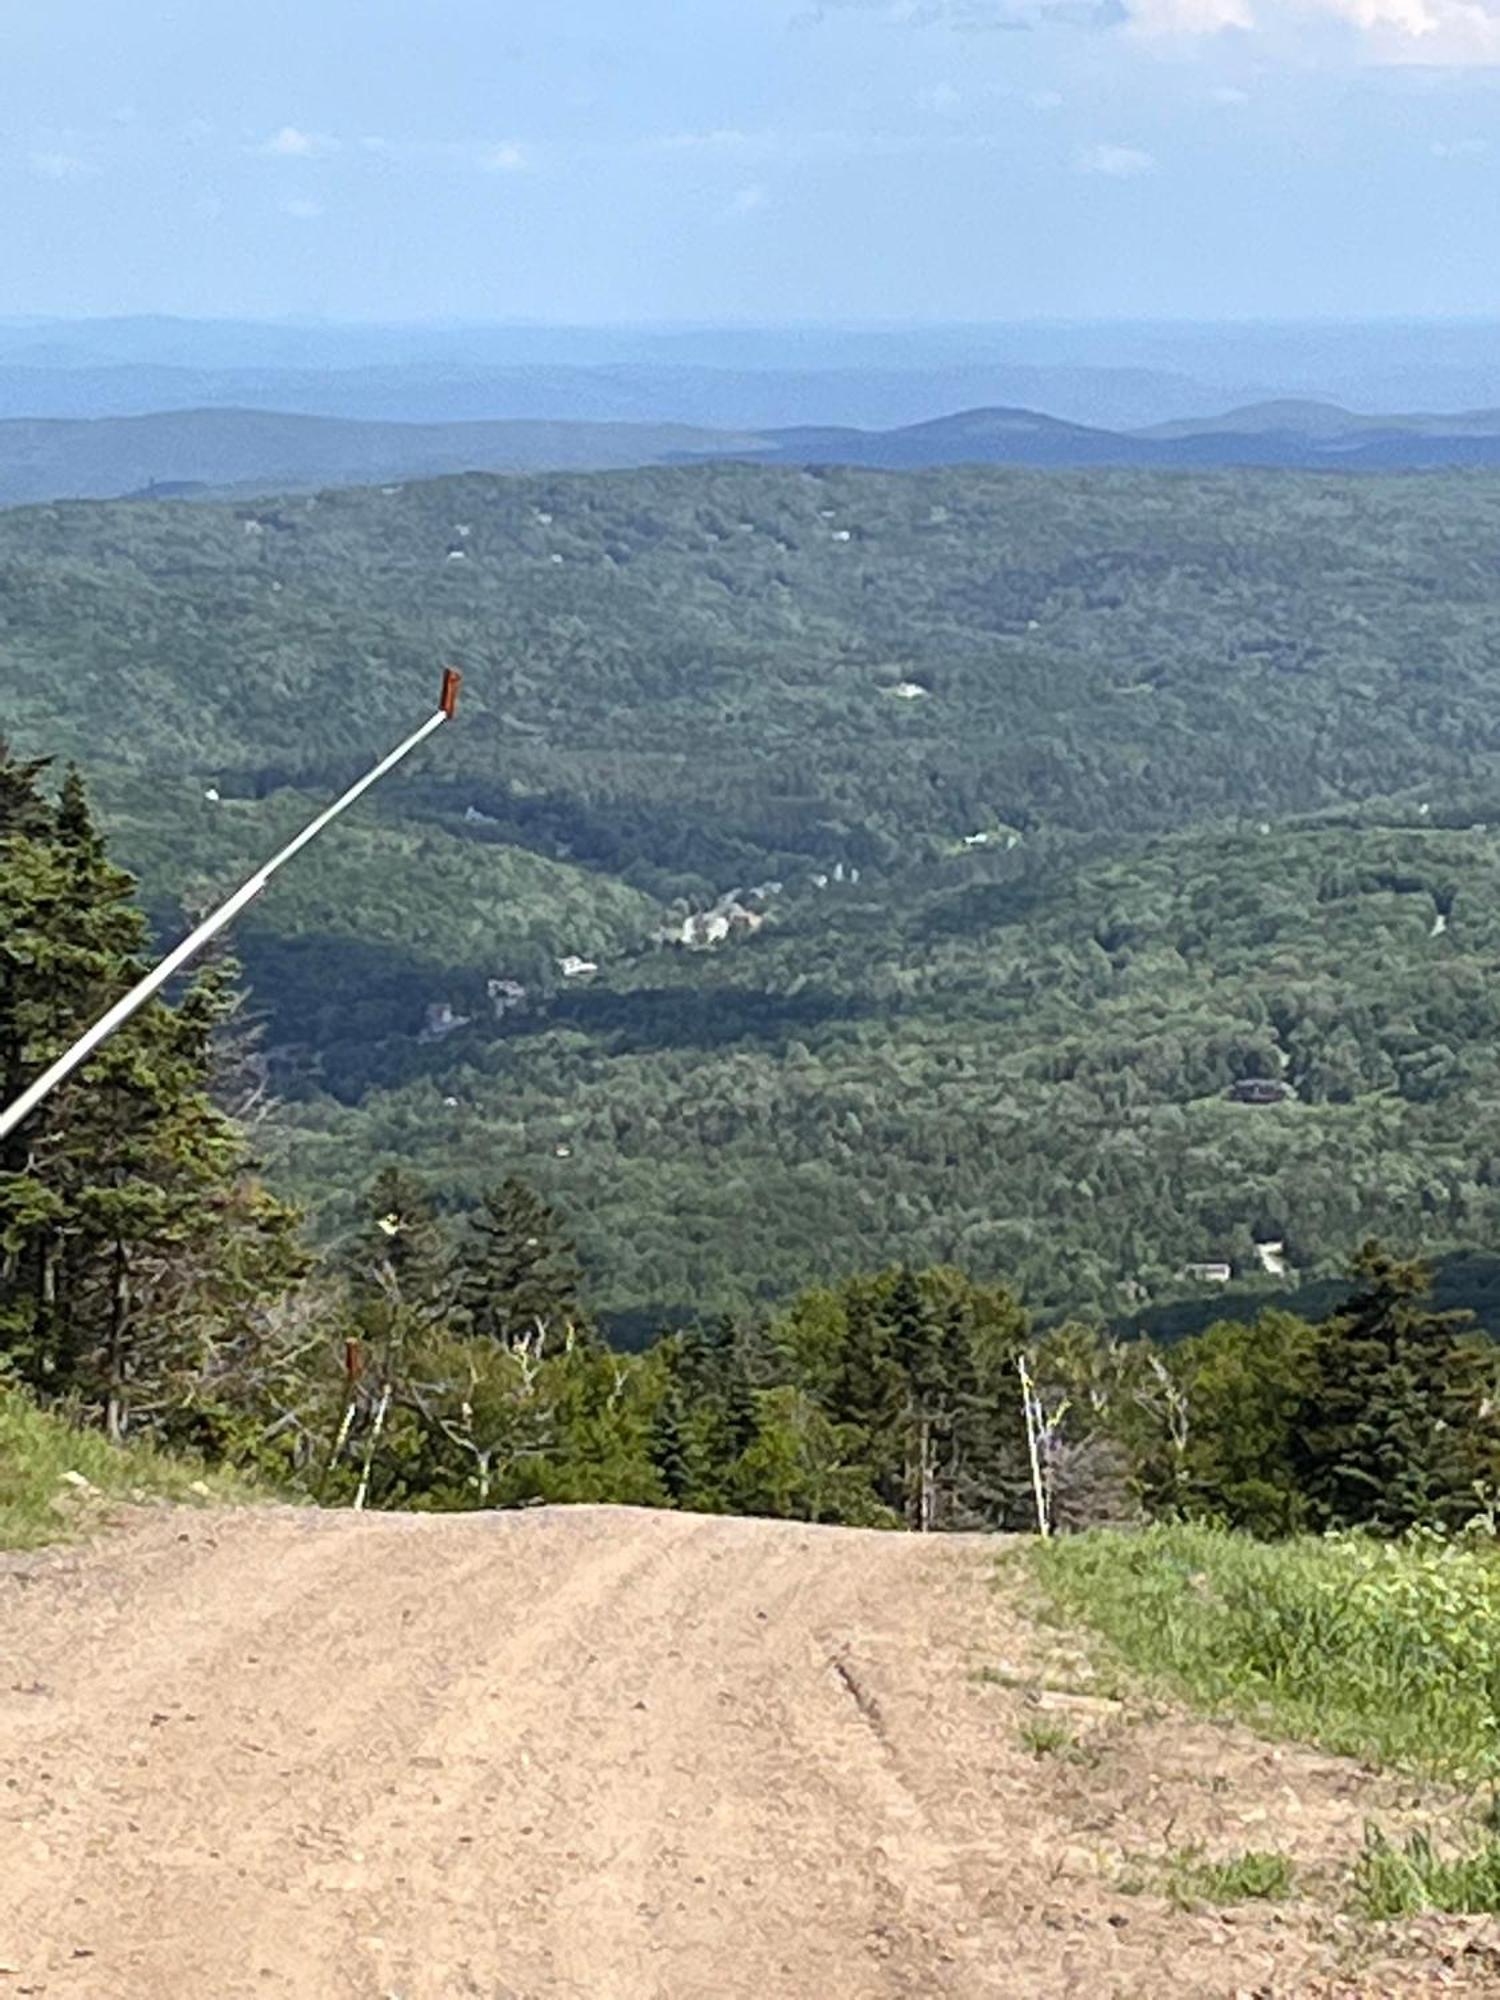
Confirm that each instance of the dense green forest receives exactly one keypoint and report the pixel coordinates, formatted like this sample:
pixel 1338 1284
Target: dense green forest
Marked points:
pixel 1039 812
pixel 151 1284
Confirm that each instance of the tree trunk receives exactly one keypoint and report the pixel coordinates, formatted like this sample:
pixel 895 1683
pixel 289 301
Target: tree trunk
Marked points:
pixel 116 1414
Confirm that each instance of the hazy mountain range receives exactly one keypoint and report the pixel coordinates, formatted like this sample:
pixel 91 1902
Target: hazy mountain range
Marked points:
pixel 198 452
pixel 1112 376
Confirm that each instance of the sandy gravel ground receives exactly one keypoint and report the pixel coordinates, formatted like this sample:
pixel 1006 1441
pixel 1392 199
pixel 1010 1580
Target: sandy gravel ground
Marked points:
pixel 595 1754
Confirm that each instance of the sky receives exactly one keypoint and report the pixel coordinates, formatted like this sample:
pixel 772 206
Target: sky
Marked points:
pixel 599 161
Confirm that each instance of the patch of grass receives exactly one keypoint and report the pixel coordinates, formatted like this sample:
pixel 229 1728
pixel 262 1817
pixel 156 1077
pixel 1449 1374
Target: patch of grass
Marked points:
pixel 54 1475
pixel 1259 1875
pixel 1402 1881
pixel 1047 1739
pixel 1188 1879
pixel 1385 1651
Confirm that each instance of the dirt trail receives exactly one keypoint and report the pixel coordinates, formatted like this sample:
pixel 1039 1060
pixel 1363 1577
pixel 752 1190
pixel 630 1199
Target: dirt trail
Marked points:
pixel 594 1754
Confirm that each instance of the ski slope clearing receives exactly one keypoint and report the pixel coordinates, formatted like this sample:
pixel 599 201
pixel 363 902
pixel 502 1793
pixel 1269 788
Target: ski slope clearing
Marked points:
pixel 602 1754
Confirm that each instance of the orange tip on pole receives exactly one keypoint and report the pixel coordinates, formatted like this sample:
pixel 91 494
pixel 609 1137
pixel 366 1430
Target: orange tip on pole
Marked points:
pixel 453 680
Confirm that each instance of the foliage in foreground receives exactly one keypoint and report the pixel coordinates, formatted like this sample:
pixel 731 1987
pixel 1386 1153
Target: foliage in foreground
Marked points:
pixel 43 1459
pixel 1401 1881
pixel 1388 1651
pixel 1189 1879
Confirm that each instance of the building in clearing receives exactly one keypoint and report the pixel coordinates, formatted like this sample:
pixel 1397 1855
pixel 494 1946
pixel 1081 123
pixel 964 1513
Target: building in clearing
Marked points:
pixel 440 1021
pixel 1209 1274
pixel 1259 1090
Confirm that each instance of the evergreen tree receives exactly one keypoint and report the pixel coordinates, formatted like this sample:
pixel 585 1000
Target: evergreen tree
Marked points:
pixel 1246 1389
pixel 401 1248
pixel 1383 1436
pixel 922 1351
pixel 136 1246
pixel 708 1413
pixel 517 1276
pixel 868 1393
pixel 667 1454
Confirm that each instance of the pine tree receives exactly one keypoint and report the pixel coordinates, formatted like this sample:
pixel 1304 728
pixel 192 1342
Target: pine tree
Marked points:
pixel 1383 1436
pixel 135 1243
pixel 917 1347
pixel 708 1412
pixel 870 1393
pixel 517 1276
pixel 667 1454
pixel 401 1248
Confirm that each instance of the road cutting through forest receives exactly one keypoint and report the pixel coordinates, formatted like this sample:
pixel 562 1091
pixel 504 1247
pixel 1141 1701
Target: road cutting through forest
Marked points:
pixel 604 1754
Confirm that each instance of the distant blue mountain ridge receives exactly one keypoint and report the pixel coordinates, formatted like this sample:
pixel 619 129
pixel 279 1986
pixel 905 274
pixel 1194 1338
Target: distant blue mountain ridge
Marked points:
pixel 191 453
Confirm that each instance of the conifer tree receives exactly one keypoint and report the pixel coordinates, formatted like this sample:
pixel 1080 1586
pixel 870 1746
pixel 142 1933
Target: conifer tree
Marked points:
pixel 517 1275
pixel 917 1347
pixel 667 1454
pixel 401 1248
pixel 1384 1435
pixel 135 1243
pixel 870 1392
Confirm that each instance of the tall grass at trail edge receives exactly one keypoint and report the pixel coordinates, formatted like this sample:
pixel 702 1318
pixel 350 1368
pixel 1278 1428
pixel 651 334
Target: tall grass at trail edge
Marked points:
pixel 1385 1651
pixel 1398 1881
pixel 54 1475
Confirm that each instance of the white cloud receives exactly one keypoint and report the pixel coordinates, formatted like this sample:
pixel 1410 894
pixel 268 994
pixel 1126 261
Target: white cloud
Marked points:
pixel 302 211
pixel 291 143
pixel 59 166
pixel 941 97
pixel 1046 100
pixel 1116 163
pixel 506 158
pixel 1189 17
pixel 748 200
pixel 1228 94
pixel 1459 149
pixel 1437 33
pixel 1451 34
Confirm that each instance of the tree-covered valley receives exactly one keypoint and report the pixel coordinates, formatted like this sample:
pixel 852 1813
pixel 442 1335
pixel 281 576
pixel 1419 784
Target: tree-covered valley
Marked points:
pixel 1014 820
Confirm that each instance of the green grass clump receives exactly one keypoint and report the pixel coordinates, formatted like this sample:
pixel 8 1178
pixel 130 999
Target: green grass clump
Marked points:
pixel 1402 1881
pixel 39 1503
pixel 1047 1739
pixel 1259 1875
pixel 1380 1650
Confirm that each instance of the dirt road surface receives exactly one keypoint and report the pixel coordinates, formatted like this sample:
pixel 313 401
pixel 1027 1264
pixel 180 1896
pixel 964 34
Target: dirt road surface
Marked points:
pixel 596 1754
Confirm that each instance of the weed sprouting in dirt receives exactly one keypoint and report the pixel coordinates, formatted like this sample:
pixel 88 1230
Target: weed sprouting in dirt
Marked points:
pixel 1402 1881
pixel 1258 1875
pixel 1041 1738
pixel 1190 1880
pixel 1046 1739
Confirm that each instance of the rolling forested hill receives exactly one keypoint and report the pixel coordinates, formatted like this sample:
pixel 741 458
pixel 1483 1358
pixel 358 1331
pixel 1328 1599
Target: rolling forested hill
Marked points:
pixel 1021 816
pixel 229 453
pixel 177 453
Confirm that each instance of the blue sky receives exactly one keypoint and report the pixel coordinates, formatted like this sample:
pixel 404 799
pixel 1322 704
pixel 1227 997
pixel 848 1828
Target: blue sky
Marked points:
pixel 602 160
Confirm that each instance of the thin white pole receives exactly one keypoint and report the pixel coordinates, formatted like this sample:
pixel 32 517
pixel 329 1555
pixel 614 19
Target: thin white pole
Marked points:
pixel 1038 1487
pixel 226 913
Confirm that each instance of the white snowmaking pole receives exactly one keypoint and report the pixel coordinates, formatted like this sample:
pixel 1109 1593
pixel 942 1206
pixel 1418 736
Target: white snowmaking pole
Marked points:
pixel 1033 1428
pixel 14 1114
